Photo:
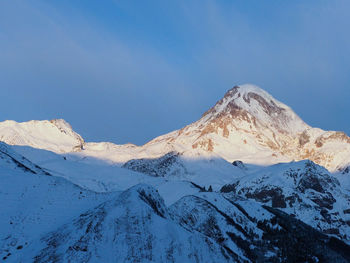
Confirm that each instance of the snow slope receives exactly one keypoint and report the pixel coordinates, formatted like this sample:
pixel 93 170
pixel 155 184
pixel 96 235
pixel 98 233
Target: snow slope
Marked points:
pixel 136 226
pixel 55 135
pixel 33 201
pixel 46 218
pixel 302 189
pixel 250 125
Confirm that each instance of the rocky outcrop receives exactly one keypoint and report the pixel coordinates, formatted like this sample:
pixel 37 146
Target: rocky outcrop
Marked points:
pixel 207 227
pixel 135 227
pixel 302 189
pixel 168 165
pixel 248 122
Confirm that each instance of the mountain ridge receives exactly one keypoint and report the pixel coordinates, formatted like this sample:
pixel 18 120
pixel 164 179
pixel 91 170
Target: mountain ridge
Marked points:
pixel 161 201
pixel 247 124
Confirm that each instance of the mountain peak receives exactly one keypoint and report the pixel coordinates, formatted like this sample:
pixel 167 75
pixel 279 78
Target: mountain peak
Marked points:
pixel 247 88
pixel 55 135
pixel 61 123
pixel 247 124
pixel 249 103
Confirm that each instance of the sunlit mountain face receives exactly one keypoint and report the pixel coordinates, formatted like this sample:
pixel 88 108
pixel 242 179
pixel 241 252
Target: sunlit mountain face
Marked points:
pixel 249 181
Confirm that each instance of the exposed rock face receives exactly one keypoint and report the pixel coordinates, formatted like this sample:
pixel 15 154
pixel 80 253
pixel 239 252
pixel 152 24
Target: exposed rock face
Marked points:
pixel 208 227
pixel 292 212
pixel 167 165
pixel 205 172
pixel 303 189
pixel 136 227
pixel 239 164
pixel 248 122
pixel 345 170
pixel 67 129
pixel 48 219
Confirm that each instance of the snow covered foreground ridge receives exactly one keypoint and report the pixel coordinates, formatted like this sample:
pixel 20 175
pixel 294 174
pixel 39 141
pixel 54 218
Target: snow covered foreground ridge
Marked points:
pixel 48 219
pixel 247 124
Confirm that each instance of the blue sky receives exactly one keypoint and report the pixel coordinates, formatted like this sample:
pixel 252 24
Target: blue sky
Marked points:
pixel 128 71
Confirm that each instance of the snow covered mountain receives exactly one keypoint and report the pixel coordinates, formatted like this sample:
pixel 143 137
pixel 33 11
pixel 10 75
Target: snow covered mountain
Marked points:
pixel 55 135
pixel 136 226
pixel 33 201
pixel 250 125
pixel 46 218
pixel 213 191
pixel 302 189
pixel 247 124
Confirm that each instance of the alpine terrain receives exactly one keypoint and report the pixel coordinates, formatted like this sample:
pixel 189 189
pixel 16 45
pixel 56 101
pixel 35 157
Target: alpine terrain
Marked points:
pixel 249 181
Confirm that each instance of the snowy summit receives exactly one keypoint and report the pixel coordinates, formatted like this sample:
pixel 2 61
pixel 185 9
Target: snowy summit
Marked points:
pixel 248 182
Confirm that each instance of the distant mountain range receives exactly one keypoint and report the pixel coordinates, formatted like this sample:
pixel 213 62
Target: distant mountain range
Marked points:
pixel 247 124
pixel 248 182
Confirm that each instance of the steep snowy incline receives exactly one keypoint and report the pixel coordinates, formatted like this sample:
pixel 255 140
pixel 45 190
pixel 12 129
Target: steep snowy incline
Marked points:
pixel 94 175
pixel 45 218
pixel 261 106
pixel 10 159
pixel 136 226
pixel 302 189
pixel 34 202
pixel 248 124
pixel 55 135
